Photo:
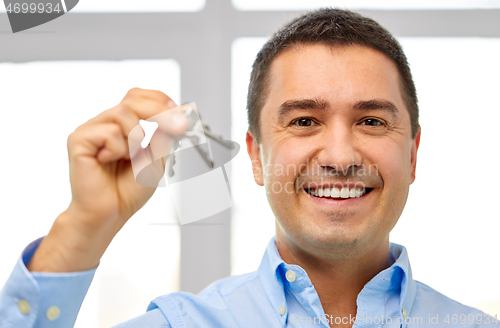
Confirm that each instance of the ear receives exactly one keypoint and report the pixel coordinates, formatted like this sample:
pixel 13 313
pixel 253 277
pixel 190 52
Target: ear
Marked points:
pixel 414 148
pixel 253 149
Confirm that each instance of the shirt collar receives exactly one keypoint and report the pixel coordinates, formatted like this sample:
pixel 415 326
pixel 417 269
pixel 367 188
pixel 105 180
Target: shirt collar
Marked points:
pixel 397 277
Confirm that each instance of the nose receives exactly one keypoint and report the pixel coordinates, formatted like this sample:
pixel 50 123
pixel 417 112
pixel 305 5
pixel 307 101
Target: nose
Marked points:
pixel 339 149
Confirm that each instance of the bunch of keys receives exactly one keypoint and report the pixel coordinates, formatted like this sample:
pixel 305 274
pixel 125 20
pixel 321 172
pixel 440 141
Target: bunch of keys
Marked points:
pixel 195 132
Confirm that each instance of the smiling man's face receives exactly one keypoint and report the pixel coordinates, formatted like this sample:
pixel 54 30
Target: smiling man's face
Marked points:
pixel 334 117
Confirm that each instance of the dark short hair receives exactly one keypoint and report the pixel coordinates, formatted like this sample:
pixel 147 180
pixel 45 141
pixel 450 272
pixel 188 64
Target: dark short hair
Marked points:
pixel 333 27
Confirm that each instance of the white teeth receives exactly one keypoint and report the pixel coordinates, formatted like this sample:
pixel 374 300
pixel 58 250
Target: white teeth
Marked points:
pixel 337 193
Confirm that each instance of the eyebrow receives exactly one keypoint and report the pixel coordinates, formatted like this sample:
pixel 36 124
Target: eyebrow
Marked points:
pixel 292 105
pixel 376 104
pixel 316 104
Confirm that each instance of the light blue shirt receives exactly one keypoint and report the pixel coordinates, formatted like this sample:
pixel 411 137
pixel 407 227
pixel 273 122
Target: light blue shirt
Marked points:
pixel 276 295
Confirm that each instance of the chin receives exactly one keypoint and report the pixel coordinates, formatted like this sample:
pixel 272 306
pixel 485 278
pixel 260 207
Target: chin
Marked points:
pixel 331 238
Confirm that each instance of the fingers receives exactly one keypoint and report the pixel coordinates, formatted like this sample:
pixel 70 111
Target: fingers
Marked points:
pixel 104 141
pixel 150 94
pixel 144 104
pixel 121 123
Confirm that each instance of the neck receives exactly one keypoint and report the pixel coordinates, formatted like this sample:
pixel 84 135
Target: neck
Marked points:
pixel 337 278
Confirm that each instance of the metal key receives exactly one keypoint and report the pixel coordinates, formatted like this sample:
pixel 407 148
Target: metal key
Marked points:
pixel 174 144
pixel 197 127
pixel 217 138
pixel 195 140
pixel 194 133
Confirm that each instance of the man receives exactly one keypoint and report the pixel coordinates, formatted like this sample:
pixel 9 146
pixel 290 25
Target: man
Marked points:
pixel 333 138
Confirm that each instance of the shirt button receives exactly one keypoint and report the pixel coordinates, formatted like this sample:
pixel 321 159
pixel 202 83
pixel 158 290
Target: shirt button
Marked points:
pixel 282 310
pixel 23 306
pixel 404 313
pixel 290 276
pixel 53 313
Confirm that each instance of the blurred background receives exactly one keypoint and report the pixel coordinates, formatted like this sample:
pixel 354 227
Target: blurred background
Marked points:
pixel 55 77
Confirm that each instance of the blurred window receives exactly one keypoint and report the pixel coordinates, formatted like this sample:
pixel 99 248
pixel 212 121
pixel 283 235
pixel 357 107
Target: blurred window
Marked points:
pixel 118 6
pixel 454 197
pixel 42 103
pixel 364 4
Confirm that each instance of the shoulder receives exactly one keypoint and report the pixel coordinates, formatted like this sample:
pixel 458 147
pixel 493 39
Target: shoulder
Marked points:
pixel 224 302
pixel 428 297
pixel 230 285
pixel 429 303
pixel 221 289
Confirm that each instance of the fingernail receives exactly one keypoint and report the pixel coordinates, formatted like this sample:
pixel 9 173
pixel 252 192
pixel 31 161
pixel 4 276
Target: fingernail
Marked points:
pixel 177 119
pixel 171 104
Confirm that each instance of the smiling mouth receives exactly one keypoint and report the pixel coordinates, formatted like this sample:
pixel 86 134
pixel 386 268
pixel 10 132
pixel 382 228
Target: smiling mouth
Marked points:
pixel 338 193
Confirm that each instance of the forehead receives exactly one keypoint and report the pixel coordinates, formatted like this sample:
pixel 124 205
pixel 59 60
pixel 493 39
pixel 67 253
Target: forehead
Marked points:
pixel 341 75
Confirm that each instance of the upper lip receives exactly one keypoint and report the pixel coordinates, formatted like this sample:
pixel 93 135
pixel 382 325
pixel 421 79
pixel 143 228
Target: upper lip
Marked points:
pixel 340 185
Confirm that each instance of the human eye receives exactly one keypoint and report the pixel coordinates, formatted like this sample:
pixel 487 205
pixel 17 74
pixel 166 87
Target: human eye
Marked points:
pixel 370 121
pixel 303 122
pixel 373 126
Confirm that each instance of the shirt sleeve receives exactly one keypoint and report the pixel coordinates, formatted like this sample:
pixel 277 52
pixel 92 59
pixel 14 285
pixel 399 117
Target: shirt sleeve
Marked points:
pixel 42 300
pixel 151 319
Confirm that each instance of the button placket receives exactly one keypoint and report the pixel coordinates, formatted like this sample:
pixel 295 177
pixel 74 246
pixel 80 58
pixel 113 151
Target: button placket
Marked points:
pixel 290 276
pixel 282 310
pixel 53 313
pixel 24 307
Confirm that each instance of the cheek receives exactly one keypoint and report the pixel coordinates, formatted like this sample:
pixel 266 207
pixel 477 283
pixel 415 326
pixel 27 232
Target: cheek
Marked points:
pixel 289 158
pixel 394 167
